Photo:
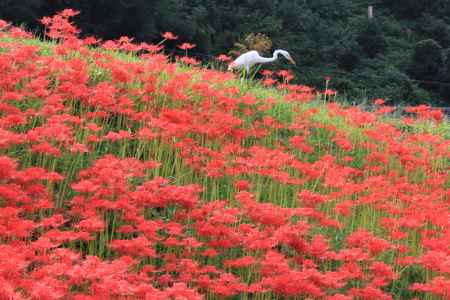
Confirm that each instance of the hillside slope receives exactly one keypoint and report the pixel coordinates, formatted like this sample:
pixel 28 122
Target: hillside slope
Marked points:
pixel 125 177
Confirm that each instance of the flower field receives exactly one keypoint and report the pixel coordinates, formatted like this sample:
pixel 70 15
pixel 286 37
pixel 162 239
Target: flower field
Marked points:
pixel 126 176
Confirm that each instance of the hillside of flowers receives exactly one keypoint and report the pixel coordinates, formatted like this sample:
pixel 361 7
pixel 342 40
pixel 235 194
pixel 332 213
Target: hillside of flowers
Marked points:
pixel 126 175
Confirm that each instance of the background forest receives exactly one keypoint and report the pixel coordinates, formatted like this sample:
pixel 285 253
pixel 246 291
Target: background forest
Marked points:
pixel 402 53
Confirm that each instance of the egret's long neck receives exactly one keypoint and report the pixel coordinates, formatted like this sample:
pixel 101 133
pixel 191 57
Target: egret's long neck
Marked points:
pixel 270 59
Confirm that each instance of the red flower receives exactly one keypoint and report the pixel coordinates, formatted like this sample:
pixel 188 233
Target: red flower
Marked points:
pixel 116 136
pixel 169 36
pixel 151 48
pixel 286 75
pixel 4 24
pixel 46 148
pixel 7 167
pixel 239 262
pixel 91 225
pixel 269 82
pixel 186 46
pixel 68 13
pixel 189 61
pixel 330 92
pixel 378 101
pixel 46 21
pixel 223 58
pixel 266 73
pixel 241 185
pixel 90 40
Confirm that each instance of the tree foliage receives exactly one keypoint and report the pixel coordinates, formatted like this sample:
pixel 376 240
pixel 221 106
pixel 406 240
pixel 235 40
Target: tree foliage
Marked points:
pixel 371 39
pixel 427 63
pixel 259 42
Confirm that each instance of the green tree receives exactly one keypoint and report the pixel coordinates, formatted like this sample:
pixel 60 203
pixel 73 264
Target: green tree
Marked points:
pixel 445 87
pixel 348 56
pixel 427 61
pixel 431 27
pixel 371 39
pixel 408 9
pixel 22 12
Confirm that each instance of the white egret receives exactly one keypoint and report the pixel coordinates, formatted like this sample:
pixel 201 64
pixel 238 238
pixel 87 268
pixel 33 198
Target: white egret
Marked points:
pixel 248 59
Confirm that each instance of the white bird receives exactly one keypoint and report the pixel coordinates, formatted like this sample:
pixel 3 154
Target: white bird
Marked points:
pixel 248 59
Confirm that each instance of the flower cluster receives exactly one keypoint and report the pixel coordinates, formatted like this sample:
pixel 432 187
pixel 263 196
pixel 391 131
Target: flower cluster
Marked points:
pixel 126 177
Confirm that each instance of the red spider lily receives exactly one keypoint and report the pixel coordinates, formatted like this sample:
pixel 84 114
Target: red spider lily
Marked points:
pixel 369 293
pixel 339 297
pixel 181 291
pixel 17 32
pixel 385 110
pixel 146 134
pixel 242 185
pixel 115 136
pixel 80 148
pixel 426 112
pixel 223 58
pixel 90 40
pixel 169 36
pixel 54 221
pixel 151 48
pixel 91 225
pixel 46 148
pixel 59 25
pixel 300 143
pixel 266 73
pixel 46 21
pixel 68 13
pixel 269 82
pixel 438 286
pixel 309 199
pixel 138 247
pixel 379 101
pixel 344 208
pixel 240 262
pixel 210 253
pixel 9 139
pixel 4 25
pixel 110 45
pixel 186 46
pixel 8 167
pixel 330 92
pixel 286 75
pixel 382 271
pixel 189 61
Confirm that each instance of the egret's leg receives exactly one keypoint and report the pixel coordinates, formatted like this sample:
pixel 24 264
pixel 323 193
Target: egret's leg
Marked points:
pixel 256 72
pixel 243 74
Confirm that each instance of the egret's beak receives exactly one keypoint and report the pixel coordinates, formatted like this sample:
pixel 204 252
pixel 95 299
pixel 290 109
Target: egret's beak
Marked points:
pixel 291 60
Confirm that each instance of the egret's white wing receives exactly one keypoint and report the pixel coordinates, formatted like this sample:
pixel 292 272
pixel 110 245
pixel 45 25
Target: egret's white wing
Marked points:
pixel 246 59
